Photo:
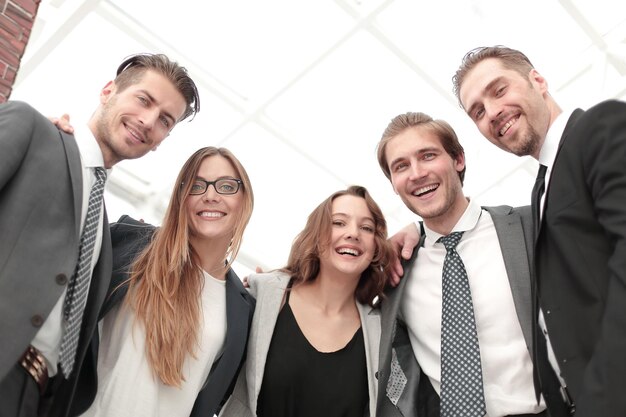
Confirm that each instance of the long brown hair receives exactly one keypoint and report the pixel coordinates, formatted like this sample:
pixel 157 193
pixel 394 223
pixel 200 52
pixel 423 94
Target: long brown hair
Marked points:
pixel 166 280
pixel 304 259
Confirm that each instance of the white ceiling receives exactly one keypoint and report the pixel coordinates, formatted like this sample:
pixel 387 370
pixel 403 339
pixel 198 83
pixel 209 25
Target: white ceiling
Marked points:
pixel 301 90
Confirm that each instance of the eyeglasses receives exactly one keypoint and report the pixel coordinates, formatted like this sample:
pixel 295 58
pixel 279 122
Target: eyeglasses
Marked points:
pixel 222 186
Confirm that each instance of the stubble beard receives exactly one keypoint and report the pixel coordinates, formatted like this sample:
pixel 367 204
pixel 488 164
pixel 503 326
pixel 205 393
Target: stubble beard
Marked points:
pixel 529 143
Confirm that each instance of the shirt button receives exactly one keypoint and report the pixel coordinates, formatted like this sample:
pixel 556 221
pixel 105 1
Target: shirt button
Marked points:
pixel 36 320
pixel 61 279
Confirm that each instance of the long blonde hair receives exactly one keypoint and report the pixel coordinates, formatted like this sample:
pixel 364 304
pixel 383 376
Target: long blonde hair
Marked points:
pixel 166 281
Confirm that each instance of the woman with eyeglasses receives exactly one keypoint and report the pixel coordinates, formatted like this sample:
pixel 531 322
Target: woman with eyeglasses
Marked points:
pixel 175 325
pixel 313 344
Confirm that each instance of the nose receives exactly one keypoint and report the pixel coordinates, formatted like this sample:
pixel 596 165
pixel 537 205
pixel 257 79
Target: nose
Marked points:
pixel 492 110
pixel 417 171
pixel 149 117
pixel 353 231
pixel 211 193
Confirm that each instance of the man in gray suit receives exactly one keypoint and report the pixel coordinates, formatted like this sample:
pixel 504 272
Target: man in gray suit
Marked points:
pixel 425 163
pixel 46 177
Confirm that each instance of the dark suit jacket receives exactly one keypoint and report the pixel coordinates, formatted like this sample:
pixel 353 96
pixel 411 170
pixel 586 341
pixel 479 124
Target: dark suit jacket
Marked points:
pixel 40 207
pixel 129 238
pixel 581 259
pixel 418 398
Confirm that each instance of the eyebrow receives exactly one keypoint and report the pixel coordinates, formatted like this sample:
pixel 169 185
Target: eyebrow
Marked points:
pixel 419 152
pixel 153 100
pixel 488 87
pixel 346 215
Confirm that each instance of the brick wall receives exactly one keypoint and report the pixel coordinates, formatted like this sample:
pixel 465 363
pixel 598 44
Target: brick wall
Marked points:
pixel 16 22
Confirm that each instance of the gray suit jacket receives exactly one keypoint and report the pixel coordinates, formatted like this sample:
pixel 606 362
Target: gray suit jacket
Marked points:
pixel 40 206
pixel 514 230
pixel 269 290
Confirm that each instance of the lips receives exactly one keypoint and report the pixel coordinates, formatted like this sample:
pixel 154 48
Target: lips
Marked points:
pixel 505 128
pixel 135 133
pixel 211 214
pixel 425 189
pixel 344 250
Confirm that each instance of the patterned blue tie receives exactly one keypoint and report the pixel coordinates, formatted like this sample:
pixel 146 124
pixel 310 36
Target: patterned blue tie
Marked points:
pixel 461 374
pixel 78 288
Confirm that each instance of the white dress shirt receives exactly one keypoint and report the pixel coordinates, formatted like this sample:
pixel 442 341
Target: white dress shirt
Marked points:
pixel 127 386
pixel 506 364
pixel 547 156
pixel 48 338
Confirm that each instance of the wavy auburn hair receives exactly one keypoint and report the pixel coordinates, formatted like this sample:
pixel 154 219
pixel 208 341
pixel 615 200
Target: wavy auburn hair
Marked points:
pixel 166 279
pixel 304 259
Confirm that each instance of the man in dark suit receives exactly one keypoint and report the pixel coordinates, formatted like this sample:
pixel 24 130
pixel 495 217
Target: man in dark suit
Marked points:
pixel 45 182
pixel 580 248
pixel 425 163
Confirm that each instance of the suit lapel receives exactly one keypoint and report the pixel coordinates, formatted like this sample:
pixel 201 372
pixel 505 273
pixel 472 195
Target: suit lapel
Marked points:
pixel 269 292
pixel 237 319
pixel 511 234
pixel 571 122
pixel 370 323
pixel 76 176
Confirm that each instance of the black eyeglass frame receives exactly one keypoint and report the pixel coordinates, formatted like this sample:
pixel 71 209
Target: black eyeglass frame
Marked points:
pixel 214 184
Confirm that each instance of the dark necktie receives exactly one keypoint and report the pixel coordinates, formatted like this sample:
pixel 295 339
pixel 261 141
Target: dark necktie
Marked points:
pixel 537 193
pixel 78 287
pixel 461 372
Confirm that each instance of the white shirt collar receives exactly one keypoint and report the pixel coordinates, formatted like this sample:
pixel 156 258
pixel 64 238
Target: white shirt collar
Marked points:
pixel 90 152
pixel 468 221
pixel 548 151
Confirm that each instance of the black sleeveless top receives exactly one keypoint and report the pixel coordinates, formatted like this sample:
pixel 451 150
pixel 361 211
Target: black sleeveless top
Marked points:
pixel 300 381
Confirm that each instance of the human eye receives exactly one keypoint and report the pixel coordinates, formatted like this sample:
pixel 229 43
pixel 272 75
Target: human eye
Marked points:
pixel 198 187
pixel 428 156
pixel 338 223
pixel 368 228
pixel 400 166
pixel 479 113
pixel 165 121
pixel 500 91
pixel 143 100
pixel 227 186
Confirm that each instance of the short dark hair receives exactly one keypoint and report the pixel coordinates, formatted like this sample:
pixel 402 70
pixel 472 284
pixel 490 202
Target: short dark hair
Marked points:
pixel 132 69
pixel 441 128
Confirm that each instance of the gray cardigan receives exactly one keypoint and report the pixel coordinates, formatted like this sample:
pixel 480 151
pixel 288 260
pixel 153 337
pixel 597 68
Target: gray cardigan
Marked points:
pixel 269 290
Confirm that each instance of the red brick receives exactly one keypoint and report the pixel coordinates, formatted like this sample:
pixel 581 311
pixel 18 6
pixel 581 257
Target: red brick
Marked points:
pixel 10 75
pixel 9 26
pixel 19 45
pixel 29 6
pixel 5 83
pixel 19 16
pixel 8 55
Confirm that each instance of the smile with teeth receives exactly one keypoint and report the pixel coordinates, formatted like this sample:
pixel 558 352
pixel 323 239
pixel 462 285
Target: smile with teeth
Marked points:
pixel 213 214
pixel 349 251
pixel 135 134
pixel 423 190
pixel 506 127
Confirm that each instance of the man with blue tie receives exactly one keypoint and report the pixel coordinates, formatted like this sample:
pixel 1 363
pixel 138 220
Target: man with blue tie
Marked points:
pixel 55 257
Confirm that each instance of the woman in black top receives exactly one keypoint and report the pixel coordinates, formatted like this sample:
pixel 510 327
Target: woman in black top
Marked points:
pixel 313 346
